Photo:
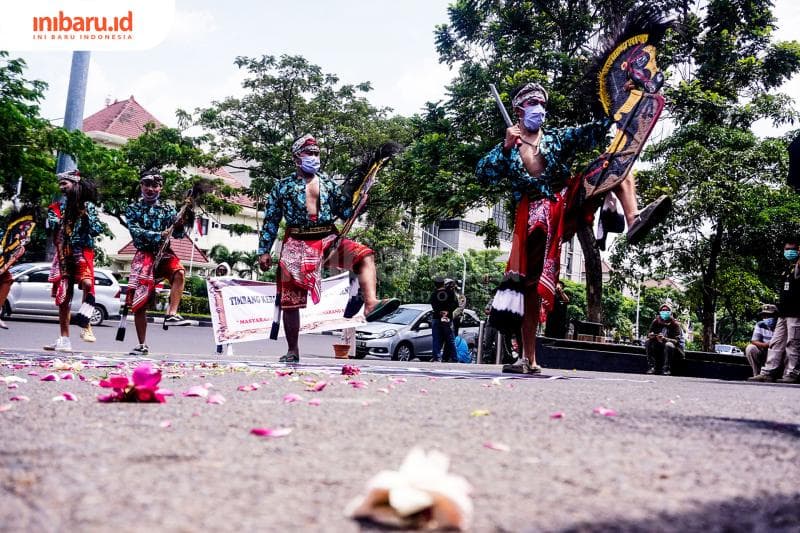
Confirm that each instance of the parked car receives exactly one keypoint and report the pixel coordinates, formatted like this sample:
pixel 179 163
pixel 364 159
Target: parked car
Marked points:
pixel 30 293
pixel 406 334
pixel 728 349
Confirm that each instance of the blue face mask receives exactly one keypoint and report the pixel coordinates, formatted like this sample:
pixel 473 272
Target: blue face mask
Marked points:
pixel 665 315
pixel 534 117
pixel 309 164
pixel 770 322
pixel 790 255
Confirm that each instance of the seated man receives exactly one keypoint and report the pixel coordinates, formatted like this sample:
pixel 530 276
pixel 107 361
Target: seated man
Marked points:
pixel 310 201
pixel 664 340
pixel 756 351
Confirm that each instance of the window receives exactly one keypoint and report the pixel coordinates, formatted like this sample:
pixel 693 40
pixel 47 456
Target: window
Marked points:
pixel 40 276
pixel 468 321
pixel 102 280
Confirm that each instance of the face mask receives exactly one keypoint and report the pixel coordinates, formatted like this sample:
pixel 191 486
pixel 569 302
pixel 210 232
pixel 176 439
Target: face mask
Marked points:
pixel 534 117
pixel 790 255
pixel 770 322
pixel 150 196
pixel 309 164
pixel 664 315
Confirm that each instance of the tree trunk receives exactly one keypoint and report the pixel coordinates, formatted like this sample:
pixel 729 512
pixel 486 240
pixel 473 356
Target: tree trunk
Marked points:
pixel 709 291
pixel 594 274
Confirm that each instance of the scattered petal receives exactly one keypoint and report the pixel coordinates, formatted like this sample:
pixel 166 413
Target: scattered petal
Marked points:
pixel 5 407
pixel 165 424
pixel 497 446
pixel 559 414
pixel 267 432
pixel 50 377
pixel 67 376
pixel 604 412
pixel 384 390
pixel 314 401
pixel 350 370
pixel 217 399
pixel 480 412
pixel 69 397
pixel 423 391
pixel 146 376
pixel 317 386
pixel 248 388
pixel 19 398
pixel 13 379
pixel 198 391
pixel 281 373
pixel 292 398
pixel 358 384
pixel 398 380
pixel 14 386
pixel 33 373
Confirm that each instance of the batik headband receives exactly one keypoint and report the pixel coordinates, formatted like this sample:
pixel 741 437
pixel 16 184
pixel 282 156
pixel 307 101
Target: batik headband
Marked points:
pixel 70 175
pixel 302 142
pixel 152 174
pixel 531 91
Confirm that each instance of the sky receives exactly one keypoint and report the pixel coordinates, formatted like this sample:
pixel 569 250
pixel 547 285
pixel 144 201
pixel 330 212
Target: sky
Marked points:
pixel 386 42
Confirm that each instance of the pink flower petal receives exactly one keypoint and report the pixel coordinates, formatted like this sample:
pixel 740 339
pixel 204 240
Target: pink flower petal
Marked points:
pixel 398 380
pixel 557 415
pixel 19 398
pixel 5 407
pixel 268 432
pixel 423 391
pixel 146 376
pixel 292 398
pixel 217 399
pixel 198 391
pixel 497 446
pixel 384 390
pixel 208 385
pixel 14 386
pixel 281 373
pixel 67 376
pixel 248 388
pixel 165 424
pixel 69 397
pixel 33 373
pixel 318 386
pixel 604 412
pixel 350 370
pixel 165 392
pixel 357 384
pixel 50 377
pixel 115 381
pixel 314 401
pixel 106 398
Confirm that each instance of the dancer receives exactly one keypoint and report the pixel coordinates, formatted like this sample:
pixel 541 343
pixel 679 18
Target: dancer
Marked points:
pixel 152 223
pixel 75 224
pixel 310 201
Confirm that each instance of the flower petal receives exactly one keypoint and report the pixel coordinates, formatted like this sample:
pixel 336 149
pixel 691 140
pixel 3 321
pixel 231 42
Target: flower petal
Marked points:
pixel 270 432
pixel 604 411
pixel 384 390
pixel 217 399
pixel 248 388
pixel 19 398
pixel 281 373
pixel 480 412
pixel 358 384
pixel 497 446
pixel 69 397
pixel 13 379
pixel 50 377
pixel 67 376
pixel 5 407
pixel 146 376
pixel 198 391
pixel 318 386
pixel 165 424
pixel 292 398
pixel 314 401
pixel 559 414
pixel 350 370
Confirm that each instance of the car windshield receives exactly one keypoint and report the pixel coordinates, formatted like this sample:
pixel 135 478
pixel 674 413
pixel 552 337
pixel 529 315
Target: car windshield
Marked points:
pixel 19 267
pixel 402 316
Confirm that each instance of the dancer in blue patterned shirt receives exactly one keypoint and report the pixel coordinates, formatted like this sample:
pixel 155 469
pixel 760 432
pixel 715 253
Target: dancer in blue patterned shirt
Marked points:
pixel 310 202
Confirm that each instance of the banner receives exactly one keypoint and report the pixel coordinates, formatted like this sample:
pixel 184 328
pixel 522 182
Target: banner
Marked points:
pixel 241 310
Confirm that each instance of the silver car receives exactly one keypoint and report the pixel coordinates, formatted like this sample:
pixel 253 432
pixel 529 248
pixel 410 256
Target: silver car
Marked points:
pixel 30 293
pixel 406 334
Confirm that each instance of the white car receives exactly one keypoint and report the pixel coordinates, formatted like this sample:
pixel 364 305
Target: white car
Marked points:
pixel 406 334
pixel 728 349
pixel 30 293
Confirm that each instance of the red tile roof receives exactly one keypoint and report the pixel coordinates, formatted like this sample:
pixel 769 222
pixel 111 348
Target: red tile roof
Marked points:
pixel 181 247
pixel 126 119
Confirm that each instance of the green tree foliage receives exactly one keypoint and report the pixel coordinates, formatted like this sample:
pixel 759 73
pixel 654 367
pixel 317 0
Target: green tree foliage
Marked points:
pixel 731 207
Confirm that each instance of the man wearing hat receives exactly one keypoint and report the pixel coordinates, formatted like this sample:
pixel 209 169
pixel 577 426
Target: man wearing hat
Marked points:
pixel 310 201
pixel 756 351
pixel 664 340
pixel 150 222
pixel 75 224
pixel 536 163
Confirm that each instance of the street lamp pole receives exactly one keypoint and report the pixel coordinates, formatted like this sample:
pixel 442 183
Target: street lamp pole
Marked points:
pixel 464 259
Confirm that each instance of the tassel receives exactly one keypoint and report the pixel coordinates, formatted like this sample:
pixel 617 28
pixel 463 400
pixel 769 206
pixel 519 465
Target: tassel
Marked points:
pixel 84 315
pixel 508 306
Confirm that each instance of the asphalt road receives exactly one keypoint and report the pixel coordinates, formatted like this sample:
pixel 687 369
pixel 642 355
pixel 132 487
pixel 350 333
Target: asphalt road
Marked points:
pixel 679 454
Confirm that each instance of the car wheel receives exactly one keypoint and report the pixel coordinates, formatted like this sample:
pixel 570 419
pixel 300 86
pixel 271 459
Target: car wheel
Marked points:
pixel 98 316
pixel 403 352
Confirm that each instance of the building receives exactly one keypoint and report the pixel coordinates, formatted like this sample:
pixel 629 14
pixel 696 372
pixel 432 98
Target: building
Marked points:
pixel 122 120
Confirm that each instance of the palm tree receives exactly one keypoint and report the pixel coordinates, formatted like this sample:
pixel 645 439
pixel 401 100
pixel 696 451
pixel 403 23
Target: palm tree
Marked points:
pixel 220 254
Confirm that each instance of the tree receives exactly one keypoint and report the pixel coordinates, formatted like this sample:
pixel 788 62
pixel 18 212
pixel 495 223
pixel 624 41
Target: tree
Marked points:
pixel 731 208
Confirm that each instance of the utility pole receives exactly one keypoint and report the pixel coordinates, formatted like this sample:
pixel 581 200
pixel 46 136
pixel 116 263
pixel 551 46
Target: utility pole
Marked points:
pixel 76 98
